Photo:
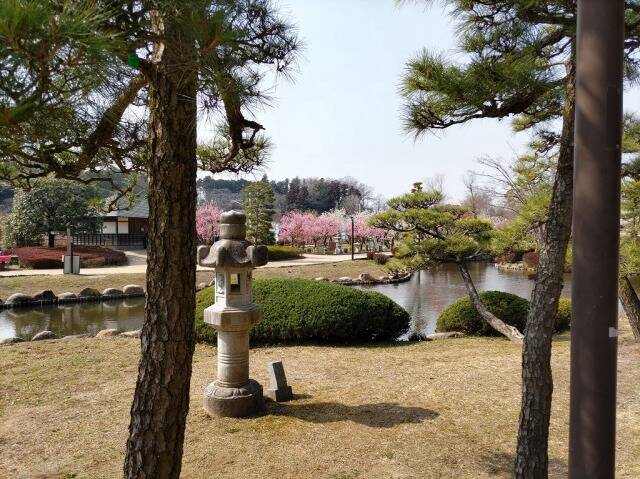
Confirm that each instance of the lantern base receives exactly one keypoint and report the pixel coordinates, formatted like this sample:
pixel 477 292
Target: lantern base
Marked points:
pixel 233 402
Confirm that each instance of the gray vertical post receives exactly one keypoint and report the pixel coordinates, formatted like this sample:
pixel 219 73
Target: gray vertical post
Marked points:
pixel 352 240
pixel 596 235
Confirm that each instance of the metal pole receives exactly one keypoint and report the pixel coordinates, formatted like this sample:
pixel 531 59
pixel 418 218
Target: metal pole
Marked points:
pixel 352 228
pixel 596 235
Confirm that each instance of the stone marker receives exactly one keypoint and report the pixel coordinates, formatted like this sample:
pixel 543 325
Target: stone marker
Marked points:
pixel 279 390
pixel 233 315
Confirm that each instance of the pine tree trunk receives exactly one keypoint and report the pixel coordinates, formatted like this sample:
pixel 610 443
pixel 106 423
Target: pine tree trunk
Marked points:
pixel 537 382
pixel 631 304
pixel 161 401
pixel 496 323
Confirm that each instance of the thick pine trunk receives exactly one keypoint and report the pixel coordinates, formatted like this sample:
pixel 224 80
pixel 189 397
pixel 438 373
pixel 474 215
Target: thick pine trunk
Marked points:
pixel 631 304
pixel 537 383
pixel 496 323
pixel 161 401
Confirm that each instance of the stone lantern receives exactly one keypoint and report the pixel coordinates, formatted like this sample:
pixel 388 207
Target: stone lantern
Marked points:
pixel 233 394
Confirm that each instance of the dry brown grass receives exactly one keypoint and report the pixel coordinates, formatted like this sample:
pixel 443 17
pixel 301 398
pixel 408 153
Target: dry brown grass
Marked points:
pixel 74 283
pixel 444 409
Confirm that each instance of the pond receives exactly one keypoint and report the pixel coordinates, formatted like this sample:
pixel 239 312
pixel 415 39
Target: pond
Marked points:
pixel 125 314
pixel 425 296
pixel 430 291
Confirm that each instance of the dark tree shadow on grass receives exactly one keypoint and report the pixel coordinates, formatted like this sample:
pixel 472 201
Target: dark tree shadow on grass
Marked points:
pixel 501 463
pixel 379 415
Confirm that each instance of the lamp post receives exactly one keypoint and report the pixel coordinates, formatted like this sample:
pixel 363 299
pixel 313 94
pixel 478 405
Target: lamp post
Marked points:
pixel 352 231
pixel 596 236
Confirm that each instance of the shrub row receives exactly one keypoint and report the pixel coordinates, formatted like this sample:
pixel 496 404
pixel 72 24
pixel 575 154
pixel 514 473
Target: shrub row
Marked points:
pixel 40 257
pixel 513 310
pixel 309 311
pixel 282 253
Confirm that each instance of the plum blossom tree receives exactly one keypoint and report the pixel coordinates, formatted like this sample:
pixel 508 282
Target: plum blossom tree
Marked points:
pixel 207 219
pixel 294 227
pixel 363 231
pixel 322 228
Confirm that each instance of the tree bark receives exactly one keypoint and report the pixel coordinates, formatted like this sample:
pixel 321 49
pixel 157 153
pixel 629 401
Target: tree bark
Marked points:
pixel 161 401
pixel 631 304
pixel 496 323
pixel 537 382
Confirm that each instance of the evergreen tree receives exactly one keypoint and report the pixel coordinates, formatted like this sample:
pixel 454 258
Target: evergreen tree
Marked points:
pixel 435 233
pixel 258 206
pixel 52 205
pixel 521 62
pixel 73 69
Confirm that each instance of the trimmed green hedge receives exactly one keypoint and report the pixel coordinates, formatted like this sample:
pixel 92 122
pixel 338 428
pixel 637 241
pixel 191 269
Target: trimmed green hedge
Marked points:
pixel 299 311
pixel 512 309
pixel 282 253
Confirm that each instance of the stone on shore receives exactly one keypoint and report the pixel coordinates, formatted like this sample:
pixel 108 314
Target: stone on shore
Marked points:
pixel 366 277
pixel 42 335
pixel 89 293
pixel 77 336
pixel 133 290
pixel 132 334
pixel 11 340
pixel 321 278
pixel 112 292
pixel 108 333
pixel 67 296
pixel 45 295
pixel 18 298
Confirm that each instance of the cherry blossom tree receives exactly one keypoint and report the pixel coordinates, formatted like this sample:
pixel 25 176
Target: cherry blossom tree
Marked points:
pixel 207 220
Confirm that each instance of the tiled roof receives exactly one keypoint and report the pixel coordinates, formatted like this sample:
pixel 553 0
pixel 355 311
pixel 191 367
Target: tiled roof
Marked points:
pixel 140 209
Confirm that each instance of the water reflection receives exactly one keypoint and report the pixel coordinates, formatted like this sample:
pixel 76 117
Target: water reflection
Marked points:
pixel 70 319
pixel 429 292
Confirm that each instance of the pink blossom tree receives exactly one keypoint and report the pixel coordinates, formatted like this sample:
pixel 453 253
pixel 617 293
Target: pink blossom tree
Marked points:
pixel 207 222
pixel 294 227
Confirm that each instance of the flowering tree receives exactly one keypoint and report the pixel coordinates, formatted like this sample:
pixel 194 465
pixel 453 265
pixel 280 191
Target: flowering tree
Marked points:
pixel 363 231
pixel 322 228
pixel 207 219
pixel 295 227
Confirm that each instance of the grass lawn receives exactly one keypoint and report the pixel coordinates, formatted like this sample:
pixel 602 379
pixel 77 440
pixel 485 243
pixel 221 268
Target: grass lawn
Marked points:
pixel 74 283
pixel 442 409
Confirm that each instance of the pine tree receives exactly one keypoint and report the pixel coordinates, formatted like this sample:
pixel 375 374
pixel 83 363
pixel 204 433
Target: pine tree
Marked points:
pixel 258 206
pixel 435 233
pixel 521 63
pixel 73 70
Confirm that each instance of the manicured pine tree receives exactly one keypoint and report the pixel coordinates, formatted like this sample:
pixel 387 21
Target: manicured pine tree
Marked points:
pixel 521 62
pixel 435 233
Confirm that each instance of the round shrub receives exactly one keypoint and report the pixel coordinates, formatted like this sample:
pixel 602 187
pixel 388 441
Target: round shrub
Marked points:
pixel 298 311
pixel 512 309
pixel 563 318
pixel 462 315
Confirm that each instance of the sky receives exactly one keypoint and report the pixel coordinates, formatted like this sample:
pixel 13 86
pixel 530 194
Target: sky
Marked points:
pixel 340 116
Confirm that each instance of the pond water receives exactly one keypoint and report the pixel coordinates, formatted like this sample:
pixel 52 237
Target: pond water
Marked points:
pixel 125 314
pixel 430 291
pixel 425 296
